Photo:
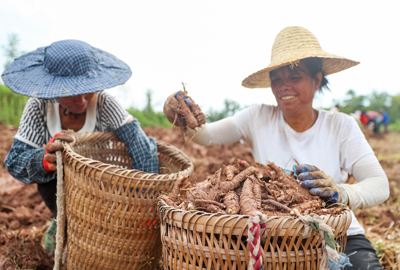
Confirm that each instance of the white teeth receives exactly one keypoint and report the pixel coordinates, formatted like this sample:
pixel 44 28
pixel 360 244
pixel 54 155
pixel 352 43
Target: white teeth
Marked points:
pixel 287 97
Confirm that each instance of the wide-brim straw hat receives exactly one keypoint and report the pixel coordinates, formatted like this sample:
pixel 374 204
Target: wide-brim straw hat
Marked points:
pixel 65 68
pixel 291 45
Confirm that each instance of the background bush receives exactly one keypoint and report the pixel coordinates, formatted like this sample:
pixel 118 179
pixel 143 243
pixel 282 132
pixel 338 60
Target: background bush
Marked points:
pixel 11 106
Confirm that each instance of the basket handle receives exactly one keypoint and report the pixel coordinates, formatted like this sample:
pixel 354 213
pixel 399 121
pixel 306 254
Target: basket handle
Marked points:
pixel 60 220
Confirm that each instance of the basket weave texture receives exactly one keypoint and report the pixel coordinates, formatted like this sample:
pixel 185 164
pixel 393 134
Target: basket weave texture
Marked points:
pixel 112 222
pixel 198 240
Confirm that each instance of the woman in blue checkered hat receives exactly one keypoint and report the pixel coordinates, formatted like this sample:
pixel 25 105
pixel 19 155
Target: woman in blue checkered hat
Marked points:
pixel 65 82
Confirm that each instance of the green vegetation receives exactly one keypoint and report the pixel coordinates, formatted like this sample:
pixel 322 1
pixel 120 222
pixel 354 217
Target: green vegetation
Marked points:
pixel 394 126
pixel 148 117
pixel 11 50
pixel 12 106
pixel 230 108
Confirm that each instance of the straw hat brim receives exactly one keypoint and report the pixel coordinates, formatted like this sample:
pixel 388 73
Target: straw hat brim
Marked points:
pixel 26 75
pixel 330 64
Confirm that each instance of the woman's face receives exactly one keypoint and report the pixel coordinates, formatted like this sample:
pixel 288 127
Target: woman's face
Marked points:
pixel 77 104
pixel 294 89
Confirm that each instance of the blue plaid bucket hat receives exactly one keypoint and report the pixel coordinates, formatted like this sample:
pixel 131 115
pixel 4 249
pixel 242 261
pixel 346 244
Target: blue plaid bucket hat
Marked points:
pixel 63 69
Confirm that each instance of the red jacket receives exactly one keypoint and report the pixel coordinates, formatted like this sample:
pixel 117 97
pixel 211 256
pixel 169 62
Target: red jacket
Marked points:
pixel 364 119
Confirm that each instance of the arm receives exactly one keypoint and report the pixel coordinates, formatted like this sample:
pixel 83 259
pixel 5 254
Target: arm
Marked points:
pixel 25 163
pixel 220 132
pixel 372 187
pixel 141 149
pixel 183 112
pixel 358 158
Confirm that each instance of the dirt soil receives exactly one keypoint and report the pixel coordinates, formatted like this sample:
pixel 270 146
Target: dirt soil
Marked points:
pixel 24 217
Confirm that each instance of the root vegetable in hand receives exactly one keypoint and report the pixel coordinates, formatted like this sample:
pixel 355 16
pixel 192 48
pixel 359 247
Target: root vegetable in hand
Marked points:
pixel 182 111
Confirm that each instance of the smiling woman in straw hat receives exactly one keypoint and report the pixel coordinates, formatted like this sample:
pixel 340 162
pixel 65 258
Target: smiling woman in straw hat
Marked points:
pixel 295 131
pixel 65 82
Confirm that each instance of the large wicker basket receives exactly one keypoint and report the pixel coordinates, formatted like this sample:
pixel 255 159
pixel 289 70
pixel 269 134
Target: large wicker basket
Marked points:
pixel 111 216
pixel 199 240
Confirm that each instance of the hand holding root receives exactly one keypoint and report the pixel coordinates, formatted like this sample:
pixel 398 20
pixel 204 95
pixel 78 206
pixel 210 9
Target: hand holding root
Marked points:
pixel 182 111
pixel 320 184
pixel 49 159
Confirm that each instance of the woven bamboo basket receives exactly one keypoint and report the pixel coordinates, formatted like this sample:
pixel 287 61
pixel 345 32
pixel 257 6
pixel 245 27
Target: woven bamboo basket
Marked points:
pixel 198 240
pixel 111 216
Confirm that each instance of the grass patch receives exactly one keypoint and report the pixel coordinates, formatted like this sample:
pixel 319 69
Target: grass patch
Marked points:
pixel 12 105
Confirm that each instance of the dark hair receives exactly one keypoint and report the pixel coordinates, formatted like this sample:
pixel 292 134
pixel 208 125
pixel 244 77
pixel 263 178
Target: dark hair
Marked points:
pixel 313 66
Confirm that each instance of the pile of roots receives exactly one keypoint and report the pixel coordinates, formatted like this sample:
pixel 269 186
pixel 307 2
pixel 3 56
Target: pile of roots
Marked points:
pixel 242 188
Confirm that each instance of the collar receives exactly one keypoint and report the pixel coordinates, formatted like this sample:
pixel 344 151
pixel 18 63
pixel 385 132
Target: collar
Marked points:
pixel 54 123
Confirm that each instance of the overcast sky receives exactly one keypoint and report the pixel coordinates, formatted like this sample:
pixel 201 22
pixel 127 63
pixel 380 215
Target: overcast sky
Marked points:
pixel 213 45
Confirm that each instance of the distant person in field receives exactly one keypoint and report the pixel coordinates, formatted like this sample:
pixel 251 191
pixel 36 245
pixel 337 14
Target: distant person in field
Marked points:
pixel 295 131
pixel 385 121
pixel 375 119
pixel 364 118
pixel 65 82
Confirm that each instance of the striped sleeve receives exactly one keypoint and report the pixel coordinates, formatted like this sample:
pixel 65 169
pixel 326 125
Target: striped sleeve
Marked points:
pixel 32 126
pixel 112 115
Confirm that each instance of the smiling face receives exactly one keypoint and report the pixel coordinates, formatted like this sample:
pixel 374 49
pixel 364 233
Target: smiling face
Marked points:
pixel 77 104
pixel 294 89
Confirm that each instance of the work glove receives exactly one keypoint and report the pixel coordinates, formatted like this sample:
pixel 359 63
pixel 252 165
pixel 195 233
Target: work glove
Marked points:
pixel 49 159
pixel 182 111
pixel 321 184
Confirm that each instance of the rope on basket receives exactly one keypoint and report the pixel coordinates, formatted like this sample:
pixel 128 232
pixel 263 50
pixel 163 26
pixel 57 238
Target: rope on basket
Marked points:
pixel 60 220
pixel 331 259
pixel 257 224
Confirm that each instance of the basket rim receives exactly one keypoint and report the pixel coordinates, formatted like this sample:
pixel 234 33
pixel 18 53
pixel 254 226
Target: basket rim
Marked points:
pixel 120 172
pixel 216 222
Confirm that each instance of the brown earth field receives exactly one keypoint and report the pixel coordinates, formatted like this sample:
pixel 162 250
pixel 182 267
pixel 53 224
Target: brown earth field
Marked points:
pixel 24 217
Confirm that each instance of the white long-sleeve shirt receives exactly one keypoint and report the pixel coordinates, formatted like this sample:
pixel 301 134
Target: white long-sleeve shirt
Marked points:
pixel 335 144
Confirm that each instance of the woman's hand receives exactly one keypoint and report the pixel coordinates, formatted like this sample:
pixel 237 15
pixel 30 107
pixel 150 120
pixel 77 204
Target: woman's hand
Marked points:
pixel 49 160
pixel 182 111
pixel 320 184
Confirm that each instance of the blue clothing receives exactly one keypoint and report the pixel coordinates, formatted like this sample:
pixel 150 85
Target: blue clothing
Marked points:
pixel 141 149
pixel 386 119
pixel 25 162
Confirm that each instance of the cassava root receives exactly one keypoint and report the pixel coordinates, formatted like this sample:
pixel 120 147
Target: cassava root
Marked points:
pixel 245 188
